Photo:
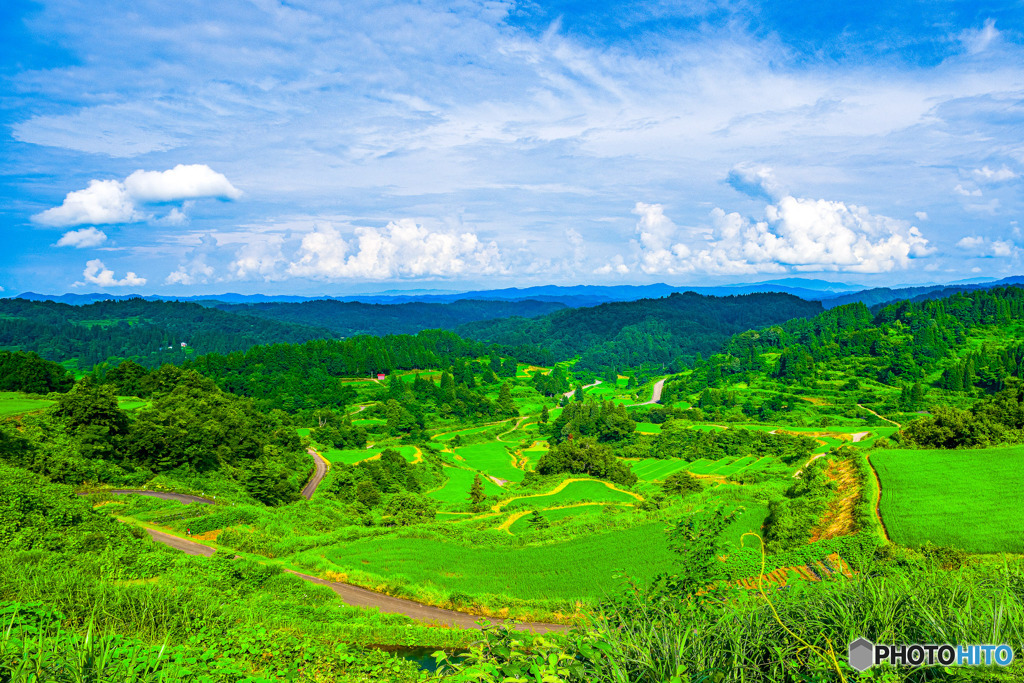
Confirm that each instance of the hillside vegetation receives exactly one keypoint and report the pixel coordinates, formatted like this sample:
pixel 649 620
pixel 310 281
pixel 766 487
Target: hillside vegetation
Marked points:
pixel 663 332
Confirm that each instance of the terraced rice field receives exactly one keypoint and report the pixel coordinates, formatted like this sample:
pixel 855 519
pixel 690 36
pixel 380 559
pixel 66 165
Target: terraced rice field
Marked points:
pixel 455 492
pixel 580 568
pixel 573 492
pixel 522 524
pixel 448 436
pixel 653 469
pixel 648 428
pixel 967 499
pixel 492 458
pixel 13 403
pixel 350 457
pixel 370 421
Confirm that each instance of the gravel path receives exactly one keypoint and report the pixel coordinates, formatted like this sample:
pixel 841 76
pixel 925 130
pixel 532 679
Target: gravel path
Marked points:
pixel 318 474
pixel 655 395
pixel 362 597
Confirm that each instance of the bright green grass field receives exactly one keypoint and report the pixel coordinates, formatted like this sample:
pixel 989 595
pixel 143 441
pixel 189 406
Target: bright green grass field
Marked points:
pixel 573 493
pixel 522 524
pixel 653 469
pixel 370 421
pixel 13 403
pixel 580 568
pixel 492 458
pixel 352 456
pixel 130 403
pixel 455 492
pixel 964 498
pixel 648 428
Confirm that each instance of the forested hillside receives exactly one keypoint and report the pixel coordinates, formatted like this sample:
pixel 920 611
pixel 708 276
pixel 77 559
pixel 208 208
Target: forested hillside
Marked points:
pixel 900 359
pixel 665 332
pixel 149 332
pixel 350 318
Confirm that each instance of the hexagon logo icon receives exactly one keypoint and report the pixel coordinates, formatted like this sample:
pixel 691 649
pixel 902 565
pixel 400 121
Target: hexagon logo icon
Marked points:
pixel 862 654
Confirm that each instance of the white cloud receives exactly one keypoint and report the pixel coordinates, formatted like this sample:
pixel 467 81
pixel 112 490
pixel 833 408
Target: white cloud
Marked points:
pixel 101 203
pixel 191 181
pixel 988 175
pixel 756 181
pixel 657 252
pixel 921 215
pixel 106 202
pixel 259 257
pixel 985 247
pixel 81 239
pixel 401 249
pixel 196 268
pixel 978 40
pixel 617 266
pixel 98 274
pixel 797 235
pixel 967 192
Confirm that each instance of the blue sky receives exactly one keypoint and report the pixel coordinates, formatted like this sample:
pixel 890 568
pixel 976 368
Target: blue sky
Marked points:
pixel 331 148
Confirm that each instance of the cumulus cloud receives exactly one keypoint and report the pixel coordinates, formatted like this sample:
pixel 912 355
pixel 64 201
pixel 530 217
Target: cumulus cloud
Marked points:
pixel 921 215
pixel 992 176
pixel 106 202
pixel 400 249
pixel 192 181
pixel 81 239
pixel 967 192
pixel 196 268
pixel 617 266
pixel 987 248
pixel 657 252
pixel 796 235
pixel 101 203
pixel 96 273
pixel 757 181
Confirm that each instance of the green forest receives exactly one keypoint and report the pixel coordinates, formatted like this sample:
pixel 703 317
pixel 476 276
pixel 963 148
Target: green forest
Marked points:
pixel 684 489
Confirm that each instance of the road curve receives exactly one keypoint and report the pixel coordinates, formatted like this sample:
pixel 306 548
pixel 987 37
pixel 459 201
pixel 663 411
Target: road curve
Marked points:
pixel 318 474
pixel 568 394
pixel 655 395
pixel 362 597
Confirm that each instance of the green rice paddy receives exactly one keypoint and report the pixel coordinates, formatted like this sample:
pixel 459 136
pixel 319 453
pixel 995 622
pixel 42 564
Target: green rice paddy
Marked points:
pixel 13 403
pixel 455 492
pixel 576 492
pixel 967 499
pixel 522 524
pixel 579 568
pixel 653 469
pixel 353 456
pixel 492 458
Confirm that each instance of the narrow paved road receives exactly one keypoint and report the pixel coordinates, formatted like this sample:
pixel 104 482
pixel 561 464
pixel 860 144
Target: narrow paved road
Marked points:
pixel 362 597
pixel 318 474
pixel 655 395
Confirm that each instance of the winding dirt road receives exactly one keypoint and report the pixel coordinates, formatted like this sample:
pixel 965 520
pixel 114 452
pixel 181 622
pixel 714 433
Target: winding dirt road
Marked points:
pixel 350 595
pixel 362 597
pixel 318 474
pixel 655 395
pixel 569 394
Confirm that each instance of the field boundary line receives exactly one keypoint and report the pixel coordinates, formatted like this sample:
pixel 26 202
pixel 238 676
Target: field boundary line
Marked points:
pixel 561 487
pixel 878 499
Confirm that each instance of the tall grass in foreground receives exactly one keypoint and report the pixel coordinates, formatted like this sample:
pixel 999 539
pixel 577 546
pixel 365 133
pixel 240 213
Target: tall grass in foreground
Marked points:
pixel 735 636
